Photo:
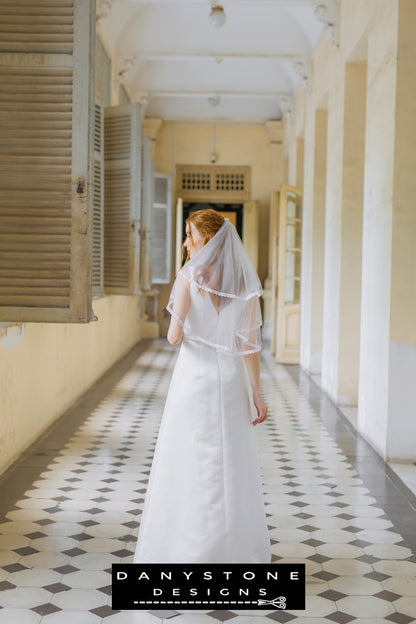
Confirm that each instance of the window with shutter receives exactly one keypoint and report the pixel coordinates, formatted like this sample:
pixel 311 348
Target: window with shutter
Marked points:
pixel 161 229
pixel 122 198
pixel 98 204
pixel 46 52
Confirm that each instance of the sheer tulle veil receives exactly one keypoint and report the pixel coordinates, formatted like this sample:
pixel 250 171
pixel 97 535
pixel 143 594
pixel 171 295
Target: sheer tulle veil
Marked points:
pixel 221 273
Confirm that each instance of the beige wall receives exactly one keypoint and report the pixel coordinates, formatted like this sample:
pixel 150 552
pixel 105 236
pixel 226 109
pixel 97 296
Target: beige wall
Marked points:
pixel 44 368
pixel 181 143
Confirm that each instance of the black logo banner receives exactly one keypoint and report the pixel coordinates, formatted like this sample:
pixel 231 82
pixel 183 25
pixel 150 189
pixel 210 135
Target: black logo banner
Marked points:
pixel 208 586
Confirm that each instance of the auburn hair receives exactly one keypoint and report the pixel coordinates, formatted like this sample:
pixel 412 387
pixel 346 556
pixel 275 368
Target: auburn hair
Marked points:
pixel 207 222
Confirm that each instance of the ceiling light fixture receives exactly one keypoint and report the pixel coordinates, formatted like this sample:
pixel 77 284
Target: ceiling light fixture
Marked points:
pixel 217 16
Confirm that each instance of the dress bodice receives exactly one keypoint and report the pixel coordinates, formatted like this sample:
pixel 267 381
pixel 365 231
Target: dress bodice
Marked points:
pixel 210 319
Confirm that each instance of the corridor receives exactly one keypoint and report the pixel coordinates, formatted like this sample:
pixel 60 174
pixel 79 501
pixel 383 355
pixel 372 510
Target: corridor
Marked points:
pixel 70 507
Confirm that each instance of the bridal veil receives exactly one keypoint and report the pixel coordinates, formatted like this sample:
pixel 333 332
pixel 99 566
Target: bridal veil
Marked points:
pixel 221 272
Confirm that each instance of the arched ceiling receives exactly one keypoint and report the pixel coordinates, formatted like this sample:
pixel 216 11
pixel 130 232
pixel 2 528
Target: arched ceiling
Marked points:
pixel 173 60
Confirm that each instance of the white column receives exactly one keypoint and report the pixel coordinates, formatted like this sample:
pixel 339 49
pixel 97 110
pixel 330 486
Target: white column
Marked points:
pixel 401 423
pixel 275 133
pixel 331 303
pixel 373 395
pixel 318 242
pixel 351 232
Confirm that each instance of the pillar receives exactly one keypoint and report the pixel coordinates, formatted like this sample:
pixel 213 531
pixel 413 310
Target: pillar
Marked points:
pixel 275 134
pixel 318 242
pixel 333 208
pixel 150 298
pixel 351 231
pixel 151 127
pixel 300 150
pixel 401 428
pixel 387 388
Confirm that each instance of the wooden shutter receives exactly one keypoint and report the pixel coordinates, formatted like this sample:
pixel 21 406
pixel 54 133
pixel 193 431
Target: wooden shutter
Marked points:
pixel 162 229
pixel 98 204
pixel 122 198
pixel 146 221
pixel 46 52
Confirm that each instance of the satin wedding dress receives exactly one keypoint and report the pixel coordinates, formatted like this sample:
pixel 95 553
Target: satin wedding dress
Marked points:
pixel 204 501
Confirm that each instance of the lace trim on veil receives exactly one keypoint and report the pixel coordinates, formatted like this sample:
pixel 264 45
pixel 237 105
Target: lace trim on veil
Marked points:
pixel 258 293
pixel 175 316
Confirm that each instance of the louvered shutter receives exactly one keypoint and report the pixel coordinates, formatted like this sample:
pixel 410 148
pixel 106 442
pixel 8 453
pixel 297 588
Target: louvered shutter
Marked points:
pixel 98 204
pixel 146 221
pixel 122 198
pixel 162 229
pixel 46 52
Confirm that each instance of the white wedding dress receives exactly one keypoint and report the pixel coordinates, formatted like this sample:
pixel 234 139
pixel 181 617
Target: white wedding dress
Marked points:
pixel 204 501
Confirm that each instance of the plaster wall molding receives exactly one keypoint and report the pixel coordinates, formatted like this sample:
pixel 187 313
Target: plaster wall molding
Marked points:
pixel 104 8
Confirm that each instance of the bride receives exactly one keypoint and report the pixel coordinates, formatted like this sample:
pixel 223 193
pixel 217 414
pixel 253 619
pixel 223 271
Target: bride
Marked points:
pixel 204 501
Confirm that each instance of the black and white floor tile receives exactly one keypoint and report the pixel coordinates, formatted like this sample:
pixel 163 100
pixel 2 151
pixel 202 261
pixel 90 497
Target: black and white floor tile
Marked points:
pixel 71 506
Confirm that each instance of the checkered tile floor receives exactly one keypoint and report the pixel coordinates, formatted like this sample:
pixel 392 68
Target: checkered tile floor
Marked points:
pixel 71 507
